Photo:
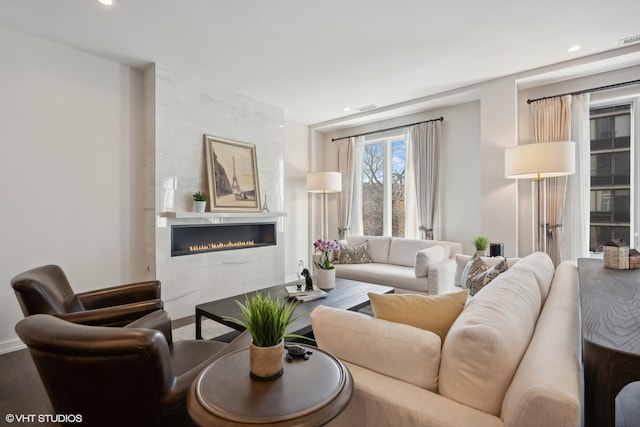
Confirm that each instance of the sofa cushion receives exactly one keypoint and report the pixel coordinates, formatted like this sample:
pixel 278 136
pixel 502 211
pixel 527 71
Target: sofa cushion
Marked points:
pixel 356 254
pixel 487 341
pixel 462 261
pixel 479 275
pixel 376 344
pixel 378 246
pixel 546 388
pixel 384 274
pixel 403 251
pixel 542 268
pixel 434 313
pixel 427 257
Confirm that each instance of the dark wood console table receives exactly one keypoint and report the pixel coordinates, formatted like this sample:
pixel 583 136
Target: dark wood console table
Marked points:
pixel 610 309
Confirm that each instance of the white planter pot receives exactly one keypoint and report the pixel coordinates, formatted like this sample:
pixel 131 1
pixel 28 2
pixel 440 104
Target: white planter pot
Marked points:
pixel 199 206
pixel 326 279
pixel 266 362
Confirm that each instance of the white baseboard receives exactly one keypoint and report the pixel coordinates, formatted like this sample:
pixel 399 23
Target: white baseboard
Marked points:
pixel 11 345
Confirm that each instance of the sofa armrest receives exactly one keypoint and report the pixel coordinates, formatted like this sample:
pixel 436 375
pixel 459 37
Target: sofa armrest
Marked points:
pixel 441 277
pixel 394 349
pixel 121 294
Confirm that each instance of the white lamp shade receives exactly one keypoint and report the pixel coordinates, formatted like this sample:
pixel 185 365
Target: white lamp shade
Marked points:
pixel 540 160
pixel 324 182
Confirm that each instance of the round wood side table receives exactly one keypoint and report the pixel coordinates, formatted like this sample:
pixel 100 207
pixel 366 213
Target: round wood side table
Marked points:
pixel 309 393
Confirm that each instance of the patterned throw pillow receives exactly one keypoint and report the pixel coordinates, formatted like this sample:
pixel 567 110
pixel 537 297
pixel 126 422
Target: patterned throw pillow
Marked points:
pixel 356 254
pixel 477 275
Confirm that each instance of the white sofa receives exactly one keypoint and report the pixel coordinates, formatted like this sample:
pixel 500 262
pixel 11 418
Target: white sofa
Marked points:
pixel 511 358
pixel 393 265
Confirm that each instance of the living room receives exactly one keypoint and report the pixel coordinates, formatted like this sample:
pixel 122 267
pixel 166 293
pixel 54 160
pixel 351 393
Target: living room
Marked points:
pixel 96 138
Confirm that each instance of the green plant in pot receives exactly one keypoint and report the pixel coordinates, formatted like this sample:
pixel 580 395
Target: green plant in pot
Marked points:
pixel 481 244
pixel 199 201
pixel 266 319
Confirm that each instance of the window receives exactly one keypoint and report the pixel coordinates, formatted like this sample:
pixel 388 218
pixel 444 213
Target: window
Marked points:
pixel 610 175
pixel 383 185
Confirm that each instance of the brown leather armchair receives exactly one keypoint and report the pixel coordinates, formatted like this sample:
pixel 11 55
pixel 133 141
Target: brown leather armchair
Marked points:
pixel 46 290
pixel 125 376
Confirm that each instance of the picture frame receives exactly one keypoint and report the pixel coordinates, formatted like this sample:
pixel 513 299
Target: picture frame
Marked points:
pixel 232 172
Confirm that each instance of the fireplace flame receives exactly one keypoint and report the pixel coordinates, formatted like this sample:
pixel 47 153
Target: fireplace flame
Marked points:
pixel 218 246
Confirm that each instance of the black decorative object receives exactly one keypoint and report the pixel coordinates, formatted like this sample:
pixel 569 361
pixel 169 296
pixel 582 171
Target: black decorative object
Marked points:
pixel 496 249
pixel 295 350
pixel 308 281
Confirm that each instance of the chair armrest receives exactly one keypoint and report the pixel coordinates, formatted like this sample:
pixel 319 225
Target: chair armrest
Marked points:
pixel 394 349
pixel 441 277
pixel 119 315
pixel 158 320
pixel 121 294
pixel 176 396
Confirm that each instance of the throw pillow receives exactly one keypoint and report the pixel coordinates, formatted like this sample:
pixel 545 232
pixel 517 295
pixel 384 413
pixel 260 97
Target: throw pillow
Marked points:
pixel 428 257
pixel 480 275
pixel 434 313
pixel 356 254
pixel 463 260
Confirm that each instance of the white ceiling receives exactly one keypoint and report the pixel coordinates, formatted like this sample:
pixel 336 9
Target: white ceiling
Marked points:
pixel 315 58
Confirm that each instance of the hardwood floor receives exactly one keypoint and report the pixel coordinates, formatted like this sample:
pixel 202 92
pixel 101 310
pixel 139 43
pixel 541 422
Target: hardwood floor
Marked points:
pixel 22 392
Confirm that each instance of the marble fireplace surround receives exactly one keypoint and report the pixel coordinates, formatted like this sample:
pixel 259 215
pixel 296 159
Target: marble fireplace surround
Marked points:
pixel 181 110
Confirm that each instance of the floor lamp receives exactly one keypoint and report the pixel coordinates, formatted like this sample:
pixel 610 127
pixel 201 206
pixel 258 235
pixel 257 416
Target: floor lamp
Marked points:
pixel 324 183
pixel 538 161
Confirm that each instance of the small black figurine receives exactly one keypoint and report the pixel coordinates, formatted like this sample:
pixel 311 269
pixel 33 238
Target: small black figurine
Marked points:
pixel 308 281
pixel 295 350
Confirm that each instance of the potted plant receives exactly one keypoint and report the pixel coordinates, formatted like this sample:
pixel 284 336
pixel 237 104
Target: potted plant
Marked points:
pixel 266 319
pixel 326 269
pixel 199 201
pixel 481 244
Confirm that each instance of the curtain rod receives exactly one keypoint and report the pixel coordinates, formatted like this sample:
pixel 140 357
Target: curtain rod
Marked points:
pixel 439 119
pixel 595 89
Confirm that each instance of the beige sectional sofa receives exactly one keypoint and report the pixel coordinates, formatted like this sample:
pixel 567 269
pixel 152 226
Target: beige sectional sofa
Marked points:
pixel 511 358
pixel 394 264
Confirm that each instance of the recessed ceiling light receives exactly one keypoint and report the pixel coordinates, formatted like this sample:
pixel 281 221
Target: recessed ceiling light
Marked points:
pixel 106 2
pixel 574 48
pixel 347 109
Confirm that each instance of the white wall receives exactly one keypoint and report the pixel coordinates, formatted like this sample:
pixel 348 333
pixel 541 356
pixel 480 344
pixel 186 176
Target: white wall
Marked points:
pixel 71 137
pixel 460 169
pixel 297 246
pixel 498 207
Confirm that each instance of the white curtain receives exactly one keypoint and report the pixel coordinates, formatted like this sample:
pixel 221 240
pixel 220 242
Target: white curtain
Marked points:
pixel 576 222
pixel 551 122
pixel 345 198
pixel 355 222
pixel 411 219
pixel 425 151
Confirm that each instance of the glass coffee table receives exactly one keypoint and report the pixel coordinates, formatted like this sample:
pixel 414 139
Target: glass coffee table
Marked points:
pixel 347 295
pixel 309 393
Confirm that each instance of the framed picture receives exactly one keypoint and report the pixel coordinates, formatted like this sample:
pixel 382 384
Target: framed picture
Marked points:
pixel 233 175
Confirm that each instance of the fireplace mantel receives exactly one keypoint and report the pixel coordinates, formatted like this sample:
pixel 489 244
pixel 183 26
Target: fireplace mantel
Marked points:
pixel 205 215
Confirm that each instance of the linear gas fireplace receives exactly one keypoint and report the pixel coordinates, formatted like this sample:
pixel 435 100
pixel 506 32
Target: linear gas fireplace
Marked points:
pixel 199 238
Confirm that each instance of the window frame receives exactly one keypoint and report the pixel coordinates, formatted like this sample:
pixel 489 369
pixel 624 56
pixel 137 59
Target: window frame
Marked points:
pixel 634 165
pixel 387 140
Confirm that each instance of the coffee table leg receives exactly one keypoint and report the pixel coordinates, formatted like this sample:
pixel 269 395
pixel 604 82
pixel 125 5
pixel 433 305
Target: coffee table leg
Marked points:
pixel 198 325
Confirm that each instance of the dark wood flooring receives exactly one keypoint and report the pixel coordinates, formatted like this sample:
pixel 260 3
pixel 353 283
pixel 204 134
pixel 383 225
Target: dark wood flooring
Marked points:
pixel 22 392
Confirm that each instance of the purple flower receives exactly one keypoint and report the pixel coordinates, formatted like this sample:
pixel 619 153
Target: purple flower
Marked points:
pixel 326 247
